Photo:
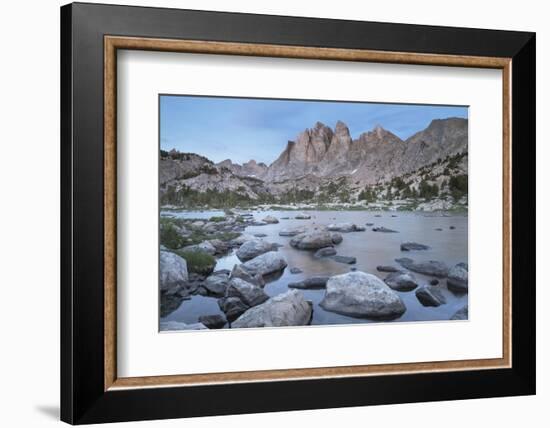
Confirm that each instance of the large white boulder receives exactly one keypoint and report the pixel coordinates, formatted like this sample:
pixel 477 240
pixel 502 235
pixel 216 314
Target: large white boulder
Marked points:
pixel 173 271
pixel 361 295
pixel 288 309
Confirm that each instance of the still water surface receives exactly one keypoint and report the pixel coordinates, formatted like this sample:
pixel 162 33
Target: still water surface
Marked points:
pixel 370 248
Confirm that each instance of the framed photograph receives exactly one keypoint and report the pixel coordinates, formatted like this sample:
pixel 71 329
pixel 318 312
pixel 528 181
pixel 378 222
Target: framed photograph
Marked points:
pixel 278 213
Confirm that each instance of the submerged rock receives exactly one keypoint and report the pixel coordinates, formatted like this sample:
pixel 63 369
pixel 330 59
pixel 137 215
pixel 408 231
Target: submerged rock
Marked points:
pixel 434 282
pixel 288 309
pixel 361 295
pixel 315 240
pixel 265 264
pixel 173 271
pixel 325 252
pixel 270 220
pixel 461 314
pixel 413 246
pixel 315 282
pixel 253 248
pixel 383 230
pixel 457 279
pixel 429 295
pixel 387 268
pixel 260 235
pixel 431 267
pixel 213 321
pixel 345 227
pixel 345 259
pixel 295 270
pixel 292 231
pixel 302 217
pixel 401 281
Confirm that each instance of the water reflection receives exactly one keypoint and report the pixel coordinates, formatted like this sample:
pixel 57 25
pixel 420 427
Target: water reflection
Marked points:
pixel 447 236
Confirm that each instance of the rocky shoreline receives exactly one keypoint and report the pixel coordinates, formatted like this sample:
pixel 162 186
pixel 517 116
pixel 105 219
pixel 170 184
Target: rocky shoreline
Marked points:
pixel 190 249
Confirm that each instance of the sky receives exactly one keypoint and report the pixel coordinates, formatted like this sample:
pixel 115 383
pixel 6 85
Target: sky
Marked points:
pixel 241 129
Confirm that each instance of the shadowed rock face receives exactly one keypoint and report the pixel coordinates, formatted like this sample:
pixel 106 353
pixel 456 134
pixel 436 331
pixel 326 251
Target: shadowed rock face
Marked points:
pixel 377 154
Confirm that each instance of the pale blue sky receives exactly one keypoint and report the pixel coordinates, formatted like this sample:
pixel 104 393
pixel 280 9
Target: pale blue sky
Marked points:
pixel 247 128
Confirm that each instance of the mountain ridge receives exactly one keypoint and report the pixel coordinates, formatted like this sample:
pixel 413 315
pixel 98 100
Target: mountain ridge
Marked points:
pixel 319 157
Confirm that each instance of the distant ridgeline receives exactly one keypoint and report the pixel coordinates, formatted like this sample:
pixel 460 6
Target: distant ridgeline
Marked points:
pixel 428 170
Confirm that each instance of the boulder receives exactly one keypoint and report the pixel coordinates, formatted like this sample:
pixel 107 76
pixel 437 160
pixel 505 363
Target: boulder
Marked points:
pixel 265 264
pixel 429 295
pixel 431 267
pixel 369 224
pixel 349 260
pixel 413 246
pixel 336 238
pixel 315 282
pixel 204 247
pixel 239 272
pixel 249 294
pixel 401 281
pixel 434 281
pixel 220 246
pixel 215 285
pixel 361 295
pixel 260 235
pixel 175 325
pixel 270 220
pixel 387 268
pixel 345 227
pixel 173 271
pixel 457 279
pixel 383 229
pixel 253 248
pixel 325 252
pixel 233 307
pixel 288 309
pixel 292 231
pixel 302 217
pixel 315 240
pixel 295 270
pixel 213 321
pixel 240 240
pixel 461 314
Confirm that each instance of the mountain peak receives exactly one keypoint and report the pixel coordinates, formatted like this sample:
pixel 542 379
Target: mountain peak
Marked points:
pixel 319 125
pixel 341 129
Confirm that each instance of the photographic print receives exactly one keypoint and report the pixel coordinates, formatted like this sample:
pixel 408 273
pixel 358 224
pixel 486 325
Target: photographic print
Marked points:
pixel 278 212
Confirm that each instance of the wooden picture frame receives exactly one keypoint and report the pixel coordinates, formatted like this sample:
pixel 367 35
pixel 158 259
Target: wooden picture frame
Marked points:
pixel 91 390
